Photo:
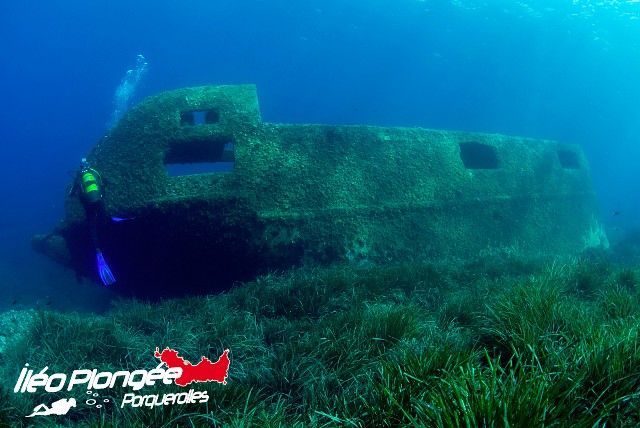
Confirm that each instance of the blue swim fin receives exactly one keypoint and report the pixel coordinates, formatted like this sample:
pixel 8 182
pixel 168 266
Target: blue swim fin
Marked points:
pixel 103 270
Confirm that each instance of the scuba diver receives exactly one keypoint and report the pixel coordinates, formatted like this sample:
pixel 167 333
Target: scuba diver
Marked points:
pixel 90 187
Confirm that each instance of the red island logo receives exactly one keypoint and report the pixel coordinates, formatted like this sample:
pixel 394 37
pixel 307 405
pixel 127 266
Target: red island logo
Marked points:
pixel 204 371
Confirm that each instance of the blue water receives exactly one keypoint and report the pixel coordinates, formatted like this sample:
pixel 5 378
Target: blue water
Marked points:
pixel 565 70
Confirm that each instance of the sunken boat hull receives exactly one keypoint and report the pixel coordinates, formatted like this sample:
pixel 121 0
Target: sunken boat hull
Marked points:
pixel 214 195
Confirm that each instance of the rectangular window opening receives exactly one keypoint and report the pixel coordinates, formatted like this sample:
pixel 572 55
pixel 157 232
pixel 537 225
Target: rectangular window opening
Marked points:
pixel 199 117
pixel 569 159
pixel 199 157
pixel 476 155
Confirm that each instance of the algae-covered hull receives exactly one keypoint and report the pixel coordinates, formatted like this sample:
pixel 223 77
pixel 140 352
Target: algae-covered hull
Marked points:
pixel 271 196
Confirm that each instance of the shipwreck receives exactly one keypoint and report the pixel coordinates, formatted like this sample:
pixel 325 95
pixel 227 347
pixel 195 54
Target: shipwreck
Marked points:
pixel 215 195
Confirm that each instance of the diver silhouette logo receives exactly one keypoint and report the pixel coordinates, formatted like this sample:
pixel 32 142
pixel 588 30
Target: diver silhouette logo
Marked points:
pixel 59 407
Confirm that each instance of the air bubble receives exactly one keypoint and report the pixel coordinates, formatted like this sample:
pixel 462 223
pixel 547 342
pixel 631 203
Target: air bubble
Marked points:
pixel 90 402
pixel 126 89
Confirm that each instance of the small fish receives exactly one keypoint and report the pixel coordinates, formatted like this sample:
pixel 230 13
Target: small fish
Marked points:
pixel 616 213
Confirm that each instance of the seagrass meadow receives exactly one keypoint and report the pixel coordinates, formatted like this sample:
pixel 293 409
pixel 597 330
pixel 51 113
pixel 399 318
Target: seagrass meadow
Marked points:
pixel 497 340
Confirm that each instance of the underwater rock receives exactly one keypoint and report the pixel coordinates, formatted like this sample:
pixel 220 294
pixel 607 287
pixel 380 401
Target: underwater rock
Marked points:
pixel 215 195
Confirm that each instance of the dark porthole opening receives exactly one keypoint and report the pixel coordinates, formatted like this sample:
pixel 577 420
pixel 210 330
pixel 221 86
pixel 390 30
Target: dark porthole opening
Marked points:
pixel 569 159
pixel 476 155
pixel 200 117
pixel 200 157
